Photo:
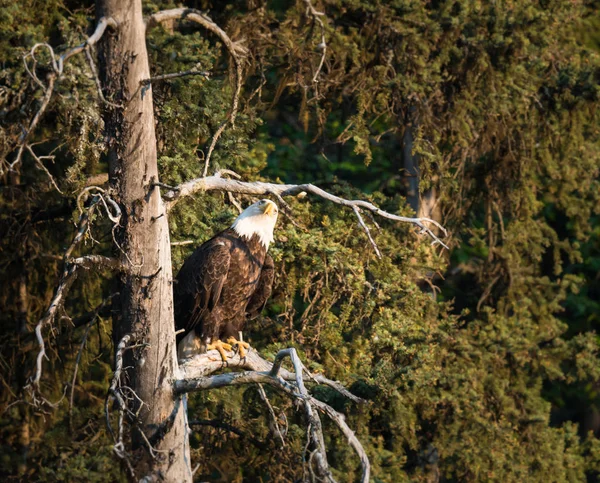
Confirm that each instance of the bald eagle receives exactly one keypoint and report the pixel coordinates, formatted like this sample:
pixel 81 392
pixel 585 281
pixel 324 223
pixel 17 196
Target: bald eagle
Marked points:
pixel 226 281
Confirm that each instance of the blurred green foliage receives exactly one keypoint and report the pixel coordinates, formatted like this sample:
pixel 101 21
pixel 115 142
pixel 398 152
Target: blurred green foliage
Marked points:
pixel 493 375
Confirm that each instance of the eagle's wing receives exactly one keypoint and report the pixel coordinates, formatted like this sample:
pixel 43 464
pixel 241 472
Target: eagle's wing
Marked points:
pixel 199 284
pixel 263 289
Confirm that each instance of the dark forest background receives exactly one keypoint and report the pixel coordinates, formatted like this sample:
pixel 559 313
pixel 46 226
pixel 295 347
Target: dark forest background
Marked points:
pixel 480 363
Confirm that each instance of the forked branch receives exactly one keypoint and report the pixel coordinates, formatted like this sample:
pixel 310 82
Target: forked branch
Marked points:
pixel 258 188
pixel 196 376
pixel 57 64
pixel 70 267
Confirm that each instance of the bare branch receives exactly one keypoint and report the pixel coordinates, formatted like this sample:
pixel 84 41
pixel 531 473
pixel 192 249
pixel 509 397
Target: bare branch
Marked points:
pixel 322 47
pixel 57 71
pixel 196 377
pixel 236 50
pixel 103 23
pixel 34 122
pixel 115 392
pixel 367 231
pixel 67 279
pixel 92 65
pixel 276 429
pixel 97 261
pixel 218 183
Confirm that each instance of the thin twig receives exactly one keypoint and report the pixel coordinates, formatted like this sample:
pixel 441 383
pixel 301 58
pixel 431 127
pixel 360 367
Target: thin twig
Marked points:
pixel 181 243
pixel 57 65
pixel 367 231
pixel 263 396
pixel 236 50
pixel 83 341
pixel 322 47
pixel 92 65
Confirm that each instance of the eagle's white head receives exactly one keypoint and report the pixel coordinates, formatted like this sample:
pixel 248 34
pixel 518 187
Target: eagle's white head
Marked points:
pixel 259 218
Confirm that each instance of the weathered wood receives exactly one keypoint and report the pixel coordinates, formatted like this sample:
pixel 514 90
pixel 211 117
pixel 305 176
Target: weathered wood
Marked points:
pixel 146 302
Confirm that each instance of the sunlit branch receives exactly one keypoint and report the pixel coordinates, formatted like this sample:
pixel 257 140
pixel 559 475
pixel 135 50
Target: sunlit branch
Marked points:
pixel 196 375
pixel 258 188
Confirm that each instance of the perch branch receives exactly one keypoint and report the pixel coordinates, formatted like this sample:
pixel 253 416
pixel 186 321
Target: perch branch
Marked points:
pixel 57 66
pixel 218 183
pixel 196 376
pixel 236 50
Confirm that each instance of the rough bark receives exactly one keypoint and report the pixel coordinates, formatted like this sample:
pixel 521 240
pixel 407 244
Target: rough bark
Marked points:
pixel 144 248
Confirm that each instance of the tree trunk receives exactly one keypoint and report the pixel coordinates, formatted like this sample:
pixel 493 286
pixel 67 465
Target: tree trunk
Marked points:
pixel 146 304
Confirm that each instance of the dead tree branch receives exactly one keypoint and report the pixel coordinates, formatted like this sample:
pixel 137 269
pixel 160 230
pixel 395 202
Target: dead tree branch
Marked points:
pixel 196 376
pixel 236 50
pixel 97 261
pixel 57 64
pixel 322 47
pixel 115 392
pixel 218 183
pixel 67 278
pixel 70 267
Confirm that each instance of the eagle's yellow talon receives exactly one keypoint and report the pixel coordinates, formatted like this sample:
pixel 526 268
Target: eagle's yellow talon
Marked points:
pixel 241 345
pixel 221 347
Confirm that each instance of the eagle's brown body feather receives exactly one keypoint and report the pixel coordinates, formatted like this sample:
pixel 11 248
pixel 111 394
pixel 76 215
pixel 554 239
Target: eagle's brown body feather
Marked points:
pixel 226 281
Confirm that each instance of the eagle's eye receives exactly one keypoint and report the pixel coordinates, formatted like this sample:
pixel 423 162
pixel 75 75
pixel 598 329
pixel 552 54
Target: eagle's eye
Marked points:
pixel 261 202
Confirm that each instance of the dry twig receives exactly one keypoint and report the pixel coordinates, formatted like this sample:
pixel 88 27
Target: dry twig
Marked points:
pixel 115 392
pixel 236 50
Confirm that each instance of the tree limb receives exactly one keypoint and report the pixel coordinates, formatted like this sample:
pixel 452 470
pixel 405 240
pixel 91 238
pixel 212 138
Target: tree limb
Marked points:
pixel 115 392
pixel 97 261
pixel 57 65
pixel 236 50
pixel 218 183
pixel 195 375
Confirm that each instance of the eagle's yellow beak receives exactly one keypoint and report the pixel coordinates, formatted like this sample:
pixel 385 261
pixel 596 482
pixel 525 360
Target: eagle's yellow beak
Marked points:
pixel 270 209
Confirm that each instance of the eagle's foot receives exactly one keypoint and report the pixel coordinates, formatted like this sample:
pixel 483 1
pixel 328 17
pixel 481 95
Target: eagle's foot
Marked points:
pixel 221 347
pixel 241 345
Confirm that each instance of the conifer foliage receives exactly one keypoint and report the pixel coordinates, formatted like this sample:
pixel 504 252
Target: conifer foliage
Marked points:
pixel 479 363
